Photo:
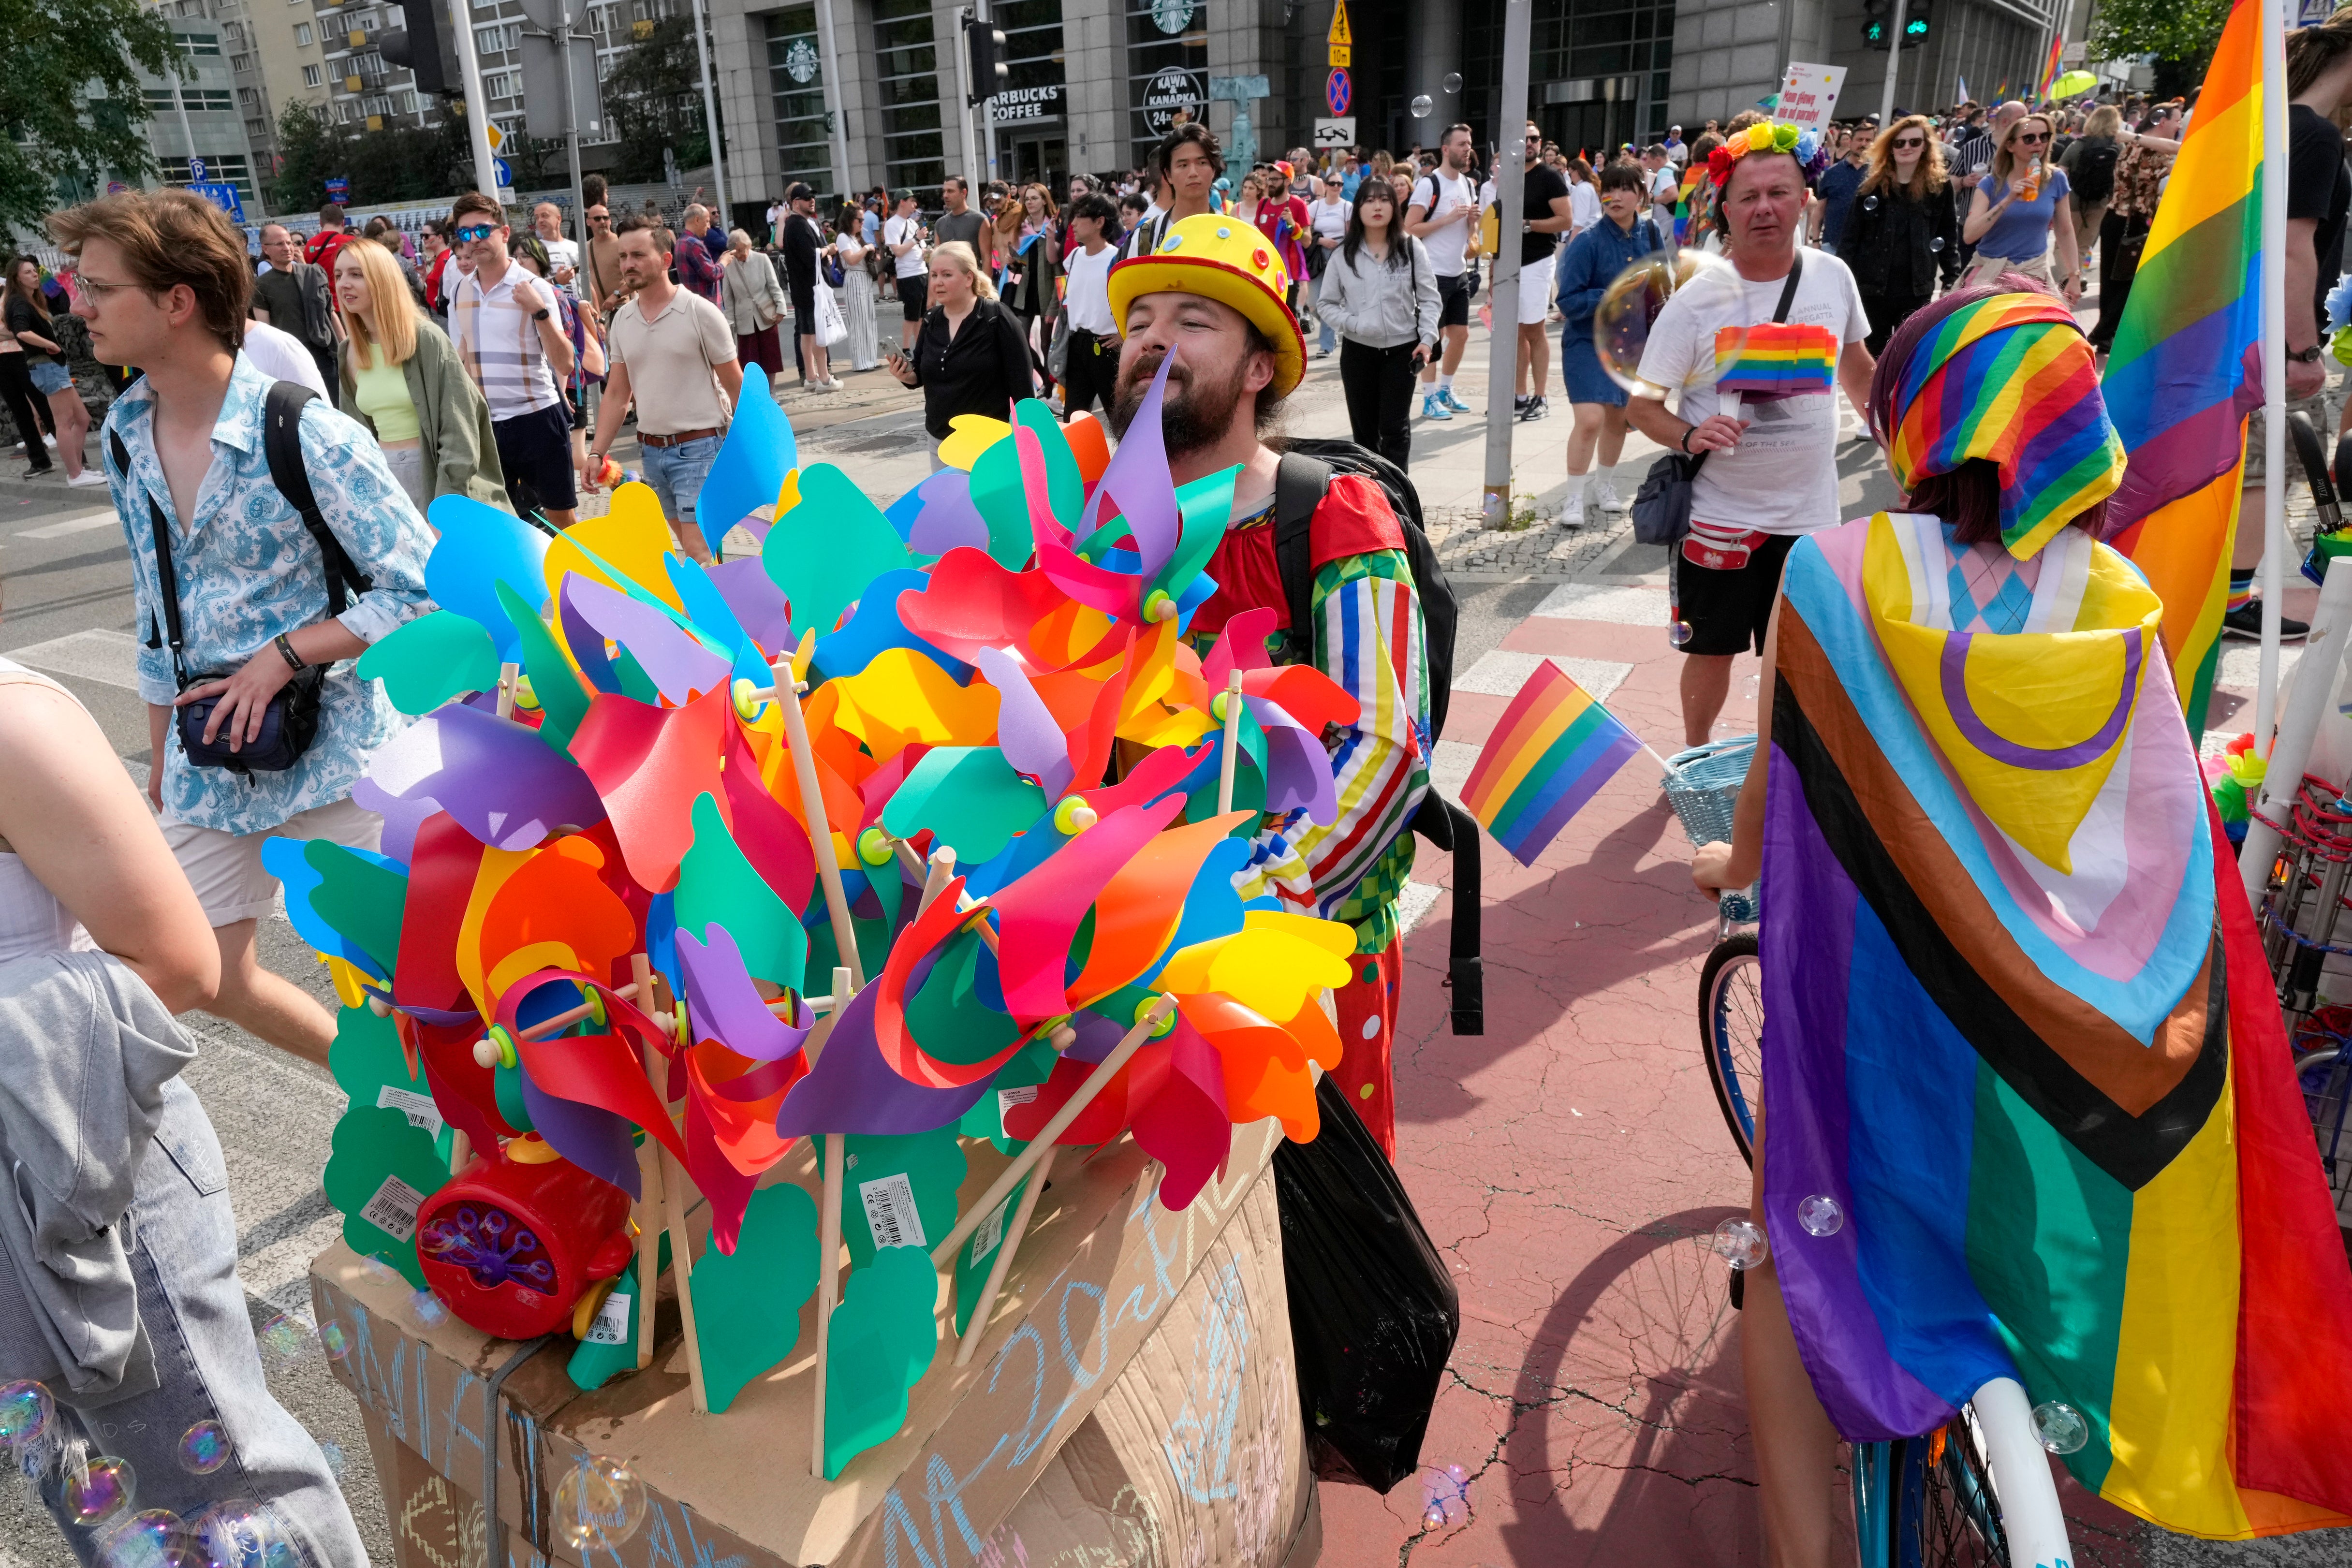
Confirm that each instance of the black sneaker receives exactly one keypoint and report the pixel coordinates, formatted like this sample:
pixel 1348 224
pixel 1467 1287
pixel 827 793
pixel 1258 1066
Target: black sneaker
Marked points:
pixel 1519 406
pixel 1535 408
pixel 2246 621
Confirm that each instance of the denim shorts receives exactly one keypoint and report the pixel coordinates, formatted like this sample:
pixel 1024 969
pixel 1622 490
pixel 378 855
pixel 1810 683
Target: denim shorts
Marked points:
pixel 49 378
pixel 676 472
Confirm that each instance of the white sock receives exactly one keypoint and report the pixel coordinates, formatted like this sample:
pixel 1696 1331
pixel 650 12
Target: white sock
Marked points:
pixel 1444 383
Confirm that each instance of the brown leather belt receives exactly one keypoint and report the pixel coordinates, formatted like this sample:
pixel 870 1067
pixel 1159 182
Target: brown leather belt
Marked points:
pixel 681 439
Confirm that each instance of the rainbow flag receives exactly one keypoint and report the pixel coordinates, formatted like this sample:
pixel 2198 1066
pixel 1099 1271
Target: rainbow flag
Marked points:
pixel 1553 747
pixel 2181 375
pixel 2018 1023
pixel 2050 68
pixel 1775 358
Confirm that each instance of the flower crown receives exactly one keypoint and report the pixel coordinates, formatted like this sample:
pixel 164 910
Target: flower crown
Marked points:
pixel 1761 137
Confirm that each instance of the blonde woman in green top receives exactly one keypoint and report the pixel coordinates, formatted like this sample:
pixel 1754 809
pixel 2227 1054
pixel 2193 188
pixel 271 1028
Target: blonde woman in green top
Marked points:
pixel 404 381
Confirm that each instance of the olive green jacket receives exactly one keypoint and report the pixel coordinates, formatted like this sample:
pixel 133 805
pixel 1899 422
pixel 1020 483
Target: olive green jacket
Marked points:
pixel 461 454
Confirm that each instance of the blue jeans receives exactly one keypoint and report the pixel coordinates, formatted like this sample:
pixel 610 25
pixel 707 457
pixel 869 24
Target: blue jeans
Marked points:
pixel 182 1256
pixel 677 473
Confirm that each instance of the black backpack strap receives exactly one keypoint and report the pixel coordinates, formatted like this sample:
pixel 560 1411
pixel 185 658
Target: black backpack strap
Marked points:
pixel 1789 289
pixel 1300 484
pixel 281 445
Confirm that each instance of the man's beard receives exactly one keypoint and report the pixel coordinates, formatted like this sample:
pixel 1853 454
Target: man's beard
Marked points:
pixel 1193 415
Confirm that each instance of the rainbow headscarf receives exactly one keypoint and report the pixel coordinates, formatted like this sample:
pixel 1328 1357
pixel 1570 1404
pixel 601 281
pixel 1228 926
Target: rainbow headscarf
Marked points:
pixel 2011 380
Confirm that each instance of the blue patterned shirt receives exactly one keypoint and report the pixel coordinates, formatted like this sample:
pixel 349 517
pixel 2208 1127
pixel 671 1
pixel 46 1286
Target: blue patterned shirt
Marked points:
pixel 248 570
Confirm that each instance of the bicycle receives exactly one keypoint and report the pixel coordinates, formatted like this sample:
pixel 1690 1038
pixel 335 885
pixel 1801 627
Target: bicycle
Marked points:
pixel 1976 1492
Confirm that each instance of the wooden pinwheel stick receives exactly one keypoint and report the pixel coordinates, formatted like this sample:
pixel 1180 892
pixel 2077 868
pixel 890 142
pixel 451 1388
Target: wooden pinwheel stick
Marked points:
pixel 1232 695
pixel 782 1007
pixel 978 1323
pixel 940 871
pixel 828 1252
pixel 670 1193
pixel 828 866
pixel 1042 1142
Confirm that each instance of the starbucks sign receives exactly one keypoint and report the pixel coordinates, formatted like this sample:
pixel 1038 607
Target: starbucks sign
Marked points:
pixel 1171 90
pixel 801 61
pixel 1173 15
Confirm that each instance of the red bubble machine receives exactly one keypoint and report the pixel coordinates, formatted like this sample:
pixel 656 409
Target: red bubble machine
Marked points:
pixel 515 1239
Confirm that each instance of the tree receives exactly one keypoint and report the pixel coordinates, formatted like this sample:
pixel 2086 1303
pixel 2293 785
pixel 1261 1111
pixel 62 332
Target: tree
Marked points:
pixel 655 99
pixel 405 163
pixel 71 104
pixel 2179 32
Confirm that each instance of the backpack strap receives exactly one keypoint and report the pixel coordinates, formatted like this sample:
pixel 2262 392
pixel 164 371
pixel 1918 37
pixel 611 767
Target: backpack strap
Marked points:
pixel 281 445
pixel 1299 484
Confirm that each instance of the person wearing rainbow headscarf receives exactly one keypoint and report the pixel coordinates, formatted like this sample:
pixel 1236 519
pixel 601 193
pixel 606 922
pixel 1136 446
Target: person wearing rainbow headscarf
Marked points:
pixel 2023 1058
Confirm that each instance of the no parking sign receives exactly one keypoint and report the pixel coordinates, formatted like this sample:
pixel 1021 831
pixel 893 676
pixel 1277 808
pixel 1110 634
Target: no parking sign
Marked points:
pixel 1337 92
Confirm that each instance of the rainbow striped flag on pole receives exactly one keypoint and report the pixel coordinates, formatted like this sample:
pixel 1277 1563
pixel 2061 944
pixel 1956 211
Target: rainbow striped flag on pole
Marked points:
pixel 2050 67
pixel 1554 746
pixel 2182 374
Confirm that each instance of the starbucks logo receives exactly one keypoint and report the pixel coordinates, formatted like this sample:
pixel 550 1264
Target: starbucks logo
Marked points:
pixel 801 61
pixel 1173 15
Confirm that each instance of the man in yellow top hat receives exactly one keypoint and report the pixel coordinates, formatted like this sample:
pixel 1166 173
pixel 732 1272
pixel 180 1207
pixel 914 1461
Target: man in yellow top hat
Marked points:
pixel 1321 561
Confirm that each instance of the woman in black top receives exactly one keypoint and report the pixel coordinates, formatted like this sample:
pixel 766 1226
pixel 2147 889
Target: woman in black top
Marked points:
pixel 1901 234
pixel 968 357
pixel 28 316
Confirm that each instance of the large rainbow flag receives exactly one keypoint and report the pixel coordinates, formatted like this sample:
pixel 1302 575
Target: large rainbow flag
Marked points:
pixel 2181 375
pixel 2018 1023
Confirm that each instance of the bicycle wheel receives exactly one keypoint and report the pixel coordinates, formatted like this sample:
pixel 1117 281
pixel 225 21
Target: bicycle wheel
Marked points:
pixel 1943 1512
pixel 1731 1033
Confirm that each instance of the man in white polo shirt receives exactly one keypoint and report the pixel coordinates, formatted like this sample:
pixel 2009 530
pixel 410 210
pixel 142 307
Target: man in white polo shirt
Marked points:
pixel 674 355
pixel 1444 215
pixel 507 336
pixel 903 238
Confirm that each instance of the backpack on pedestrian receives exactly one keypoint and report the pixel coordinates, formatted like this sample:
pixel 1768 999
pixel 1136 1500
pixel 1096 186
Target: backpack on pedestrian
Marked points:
pixel 1300 483
pixel 2094 175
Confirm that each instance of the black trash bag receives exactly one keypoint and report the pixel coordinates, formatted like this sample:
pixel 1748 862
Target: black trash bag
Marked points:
pixel 1374 1313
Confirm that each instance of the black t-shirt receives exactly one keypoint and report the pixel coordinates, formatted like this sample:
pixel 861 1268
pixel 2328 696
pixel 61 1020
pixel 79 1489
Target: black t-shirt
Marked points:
pixel 2318 187
pixel 1544 183
pixel 23 318
pixel 800 253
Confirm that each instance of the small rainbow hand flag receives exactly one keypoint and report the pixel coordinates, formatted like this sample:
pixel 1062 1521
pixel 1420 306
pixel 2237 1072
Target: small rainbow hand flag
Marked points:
pixel 1554 746
pixel 1775 359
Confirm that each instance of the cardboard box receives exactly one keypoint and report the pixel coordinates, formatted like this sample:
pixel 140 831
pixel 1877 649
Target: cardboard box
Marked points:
pixel 1133 1401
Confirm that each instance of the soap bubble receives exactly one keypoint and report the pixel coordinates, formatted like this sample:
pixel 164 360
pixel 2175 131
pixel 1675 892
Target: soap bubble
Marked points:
pixel 1821 1214
pixel 428 1308
pixel 1453 82
pixel 153 1539
pixel 2060 1427
pixel 1422 105
pixel 285 1343
pixel 1630 306
pixel 1434 1517
pixel 1936 245
pixel 24 1412
pixel 334 1454
pixel 205 1448
pixel 599 1503
pixel 1679 632
pixel 334 1338
pixel 1740 1243
pixel 1869 204
pixel 380 1271
pixel 96 1489
pixel 233 1533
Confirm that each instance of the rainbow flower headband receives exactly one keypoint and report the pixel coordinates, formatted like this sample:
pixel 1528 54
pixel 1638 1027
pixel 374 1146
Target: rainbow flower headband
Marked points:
pixel 2010 379
pixel 1761 137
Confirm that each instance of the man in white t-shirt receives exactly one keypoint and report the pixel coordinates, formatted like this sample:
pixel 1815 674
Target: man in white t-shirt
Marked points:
pixel 902 237
pixel 1328 216
pixel 1770 474
pixel 563 255
pixel 1444 215
pixel 1666 186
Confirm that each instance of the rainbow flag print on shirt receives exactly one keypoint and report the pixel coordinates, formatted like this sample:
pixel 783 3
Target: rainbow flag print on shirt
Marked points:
pixel 1775 359
pixel 1554 746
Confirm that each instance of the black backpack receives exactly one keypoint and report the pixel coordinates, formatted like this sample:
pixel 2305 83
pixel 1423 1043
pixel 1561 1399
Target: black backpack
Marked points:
pixel 2095 175
pixel 1305 474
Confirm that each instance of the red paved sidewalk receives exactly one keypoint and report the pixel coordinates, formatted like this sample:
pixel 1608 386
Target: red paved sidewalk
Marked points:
pixel 1569 1165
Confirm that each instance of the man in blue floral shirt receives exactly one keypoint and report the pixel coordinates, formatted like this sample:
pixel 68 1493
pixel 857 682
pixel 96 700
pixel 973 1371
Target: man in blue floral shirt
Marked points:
pixel 163 286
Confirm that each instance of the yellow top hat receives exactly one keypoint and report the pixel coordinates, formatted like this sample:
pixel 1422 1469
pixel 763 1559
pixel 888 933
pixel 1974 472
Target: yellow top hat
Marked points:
pixel 1218 256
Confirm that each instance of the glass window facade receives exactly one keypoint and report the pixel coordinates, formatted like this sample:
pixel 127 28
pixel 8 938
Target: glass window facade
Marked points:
pixel 796 86
pixel 1032 135
pixel 908 64
pixel 220 169
pixel 1598 71
pixel 1167 67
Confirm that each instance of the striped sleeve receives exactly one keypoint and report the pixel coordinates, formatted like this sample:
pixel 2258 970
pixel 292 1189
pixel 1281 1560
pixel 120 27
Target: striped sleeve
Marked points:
pixel 1368 637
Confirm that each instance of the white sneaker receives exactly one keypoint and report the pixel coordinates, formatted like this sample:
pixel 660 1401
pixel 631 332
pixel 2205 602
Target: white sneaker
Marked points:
pixel 47 440
pixel 833 383
pixel 1604 495
pixel 1572 513
pixel 86 477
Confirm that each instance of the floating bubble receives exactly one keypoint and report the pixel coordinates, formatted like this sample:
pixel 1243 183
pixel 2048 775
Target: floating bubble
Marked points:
pixel 1455 1473
pixel 333 1453
pixel 1869 204
pixel 1631 304
pixel 205 1448
pixel 334 1338
pixel 24 1412
pixel 1434 1517
pixel 1936 245
pixel 1821 1214
pixel 599 1503
pixel 2060 1427
pixel 1740 1243
pixel 1453 82
pixel 428 1308
pixel 156 1538
pixel 1679 632
pixel 285 1341
pixel 380 1271
pixel 233 1533
pixel 1422 105
pixel 98 1490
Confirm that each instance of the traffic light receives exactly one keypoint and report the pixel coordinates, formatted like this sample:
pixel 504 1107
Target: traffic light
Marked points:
pixel 984 50
pixel 1915 25
pixel 1876 24
pixel 419 46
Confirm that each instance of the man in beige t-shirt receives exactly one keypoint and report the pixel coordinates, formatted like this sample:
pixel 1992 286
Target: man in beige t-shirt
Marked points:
pixel 674 355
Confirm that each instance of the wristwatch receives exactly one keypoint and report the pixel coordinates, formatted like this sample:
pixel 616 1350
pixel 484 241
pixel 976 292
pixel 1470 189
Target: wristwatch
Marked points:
pixel 540 314
pixel 2305 356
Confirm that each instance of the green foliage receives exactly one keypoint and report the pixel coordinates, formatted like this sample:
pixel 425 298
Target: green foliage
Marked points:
pixel 403 164
pixel 654 97
pixel 70 99
pixel 2172 30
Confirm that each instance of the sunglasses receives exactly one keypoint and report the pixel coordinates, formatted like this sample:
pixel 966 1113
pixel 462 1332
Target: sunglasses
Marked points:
pixel 473 231
pixel 2032 139
pixel 1902 142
